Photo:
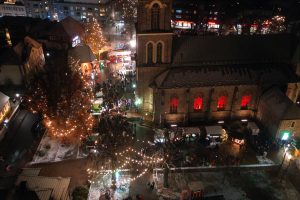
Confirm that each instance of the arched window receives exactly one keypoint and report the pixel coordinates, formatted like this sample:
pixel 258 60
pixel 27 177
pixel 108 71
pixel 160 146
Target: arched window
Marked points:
pixel 150 53
pixel 159 53
pixel 174 101
pixel 222 101
pixel 198 103
pixel 245 101
pixel 155 17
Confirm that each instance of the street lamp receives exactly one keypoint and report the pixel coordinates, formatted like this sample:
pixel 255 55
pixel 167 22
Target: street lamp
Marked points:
pixel 138 101
pixel 133 85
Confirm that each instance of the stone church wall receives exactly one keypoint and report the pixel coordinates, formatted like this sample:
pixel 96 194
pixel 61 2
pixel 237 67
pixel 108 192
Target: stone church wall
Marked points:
pixel 186 113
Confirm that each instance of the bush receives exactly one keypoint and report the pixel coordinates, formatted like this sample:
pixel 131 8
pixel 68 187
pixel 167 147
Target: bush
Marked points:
pixel 80 193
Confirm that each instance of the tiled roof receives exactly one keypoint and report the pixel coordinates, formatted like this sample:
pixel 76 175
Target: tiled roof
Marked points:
pixel 83 53
pixel 236 49
pixel 179 77
pixel 58 185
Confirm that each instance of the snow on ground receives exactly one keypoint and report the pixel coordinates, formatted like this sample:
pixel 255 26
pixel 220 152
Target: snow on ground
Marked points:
pixel 264 160
pixel 51 150
pixel 102 184
pixel 211 183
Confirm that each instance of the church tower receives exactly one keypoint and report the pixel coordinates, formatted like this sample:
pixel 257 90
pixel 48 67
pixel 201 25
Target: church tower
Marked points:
pixel 154 46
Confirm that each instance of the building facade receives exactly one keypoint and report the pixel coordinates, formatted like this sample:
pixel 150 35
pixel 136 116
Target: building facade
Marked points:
pixel 12 8
pixel 191 78
pixel 79 10
pixel 38 8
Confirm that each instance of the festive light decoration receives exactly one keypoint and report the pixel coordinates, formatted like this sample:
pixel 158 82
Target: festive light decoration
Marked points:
pixel 94 37
pixel 130 156
pixel 127 8
pixel 64 104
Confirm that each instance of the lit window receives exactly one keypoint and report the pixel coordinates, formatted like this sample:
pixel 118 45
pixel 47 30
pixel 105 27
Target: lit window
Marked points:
pixel 245 101
pixel 222 101
pixel 178 11
pixel 174 104
pixel 198 103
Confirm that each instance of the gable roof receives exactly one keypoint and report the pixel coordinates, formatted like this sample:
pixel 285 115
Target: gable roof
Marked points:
pixel 83 53
pixel 58 186
pixel 233 49
pixel 72 27
pixel 189 77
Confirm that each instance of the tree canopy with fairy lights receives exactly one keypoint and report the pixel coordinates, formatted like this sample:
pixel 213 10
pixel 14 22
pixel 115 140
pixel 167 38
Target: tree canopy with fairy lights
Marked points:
pixel 63 97
pixel 94 37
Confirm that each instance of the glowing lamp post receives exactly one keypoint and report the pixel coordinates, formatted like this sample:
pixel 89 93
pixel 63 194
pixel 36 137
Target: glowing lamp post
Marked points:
pixel 138 101
pixel 285 135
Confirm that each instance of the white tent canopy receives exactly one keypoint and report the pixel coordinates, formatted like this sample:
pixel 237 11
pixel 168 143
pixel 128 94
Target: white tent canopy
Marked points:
pixel 213 130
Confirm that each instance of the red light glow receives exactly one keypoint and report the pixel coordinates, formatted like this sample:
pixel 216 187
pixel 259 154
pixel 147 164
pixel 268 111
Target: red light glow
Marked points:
pixel 198 103
pixel 245 100
pixel 222 101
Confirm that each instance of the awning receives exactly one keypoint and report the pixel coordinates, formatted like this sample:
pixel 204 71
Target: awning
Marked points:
pixel 214 130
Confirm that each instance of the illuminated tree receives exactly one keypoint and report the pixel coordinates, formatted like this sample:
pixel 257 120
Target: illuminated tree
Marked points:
pixel 277 24
pixel 63 97
pixel 95 38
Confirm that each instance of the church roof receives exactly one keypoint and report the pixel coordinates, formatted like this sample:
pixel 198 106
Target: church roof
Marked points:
pixel 280 105
pixel 189 77
pixel 233 49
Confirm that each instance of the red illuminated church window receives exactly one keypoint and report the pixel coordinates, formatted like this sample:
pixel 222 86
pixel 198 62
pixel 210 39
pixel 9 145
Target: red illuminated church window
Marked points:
pixel 222 100
pixel 174 105
pixel 245 101
pixel 198 103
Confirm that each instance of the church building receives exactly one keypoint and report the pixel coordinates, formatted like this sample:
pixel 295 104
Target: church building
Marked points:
pixel 183 79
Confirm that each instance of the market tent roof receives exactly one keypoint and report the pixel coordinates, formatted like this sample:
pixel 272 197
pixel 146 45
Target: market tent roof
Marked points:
pixel 232 49
pixel 3 100
pixel 213 130
pixel 83 53
pixel 190 130
pixel 265 74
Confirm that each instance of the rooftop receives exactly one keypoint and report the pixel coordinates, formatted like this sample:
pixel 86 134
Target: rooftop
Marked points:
pixel 189 77
pixel 235 49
